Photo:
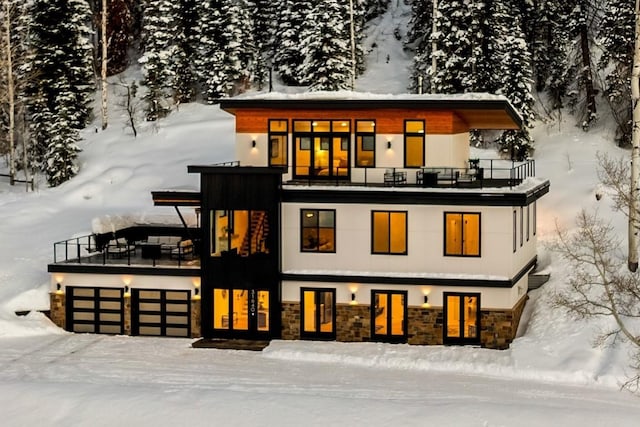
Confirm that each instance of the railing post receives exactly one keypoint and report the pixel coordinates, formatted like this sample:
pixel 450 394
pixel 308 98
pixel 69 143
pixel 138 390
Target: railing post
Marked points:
pixel 78 249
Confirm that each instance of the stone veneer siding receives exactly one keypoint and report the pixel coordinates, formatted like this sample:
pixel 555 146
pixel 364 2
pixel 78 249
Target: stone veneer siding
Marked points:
pixel 196 318
pixel 58 312
pixel 499 327
pixel 424 325
pixel 126 329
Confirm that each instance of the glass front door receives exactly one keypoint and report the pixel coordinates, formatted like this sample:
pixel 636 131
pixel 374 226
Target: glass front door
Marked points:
pixel 389 316
pixel 321 148
pixel 241 312
pixel 462 318
pixel 318 317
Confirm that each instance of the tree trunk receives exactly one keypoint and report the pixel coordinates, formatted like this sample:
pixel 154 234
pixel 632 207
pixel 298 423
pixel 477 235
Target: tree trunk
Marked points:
pixel 103 70
pixel 587 75
pixel 11 101
pixel 635 148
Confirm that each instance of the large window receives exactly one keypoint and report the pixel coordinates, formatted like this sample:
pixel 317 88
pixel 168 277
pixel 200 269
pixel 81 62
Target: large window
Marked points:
pixel 318 316
pixel 321 148
pixel 414 143
pixel 389 315
pixel 241 310
pixel 462 234
pixel 278 142
pixel 318 232
pixel 238 232
pixel 389 232
pixel 365 143
pixel 462 318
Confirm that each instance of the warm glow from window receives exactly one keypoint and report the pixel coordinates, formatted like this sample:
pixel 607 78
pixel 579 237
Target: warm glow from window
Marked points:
pixel 317 311
pixel 389 313
pixel 221 309
pixel 462 316
pixel 389 232
pixel 318 232
pixel 462 234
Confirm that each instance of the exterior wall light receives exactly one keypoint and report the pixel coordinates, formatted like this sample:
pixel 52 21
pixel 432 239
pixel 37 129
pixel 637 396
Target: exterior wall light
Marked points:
pixel 389 144
pixel 58 288
pixel 353 299
pixel 253 143
pixel 126 292
pixel 425 304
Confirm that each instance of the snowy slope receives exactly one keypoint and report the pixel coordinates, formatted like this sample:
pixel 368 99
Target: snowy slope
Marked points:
pixel 551 375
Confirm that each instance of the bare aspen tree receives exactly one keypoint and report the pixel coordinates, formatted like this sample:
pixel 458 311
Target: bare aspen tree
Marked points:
pixel 103 68
pixel 635 148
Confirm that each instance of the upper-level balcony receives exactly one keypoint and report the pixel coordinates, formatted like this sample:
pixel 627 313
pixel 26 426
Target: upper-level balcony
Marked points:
pixel 480 173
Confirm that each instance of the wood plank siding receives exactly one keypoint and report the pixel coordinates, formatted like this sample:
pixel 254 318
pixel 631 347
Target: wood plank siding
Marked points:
pixel 389 121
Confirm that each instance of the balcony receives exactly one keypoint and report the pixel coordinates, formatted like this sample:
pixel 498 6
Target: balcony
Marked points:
pixel 91 252
pixel 481 173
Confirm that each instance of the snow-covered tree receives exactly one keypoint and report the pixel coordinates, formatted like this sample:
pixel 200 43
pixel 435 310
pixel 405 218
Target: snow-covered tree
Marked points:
pixel 419 40
pixel 288 58
pixel 158 33
pixel 263 15
pixel 62 88
pixel 617 39
pixel 184 78
pixel 326 48
pixel 512 74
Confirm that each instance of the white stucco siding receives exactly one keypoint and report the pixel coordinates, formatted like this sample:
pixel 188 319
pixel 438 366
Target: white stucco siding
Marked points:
pixel 122 280
pixel 494 298
pixel 425 244
pixel 447 150
pixel 249 155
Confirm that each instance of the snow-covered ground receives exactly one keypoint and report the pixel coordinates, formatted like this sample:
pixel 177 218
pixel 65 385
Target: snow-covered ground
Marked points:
pixel 551 375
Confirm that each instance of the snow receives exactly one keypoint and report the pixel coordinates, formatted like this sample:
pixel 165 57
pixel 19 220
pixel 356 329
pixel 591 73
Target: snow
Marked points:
pixel 551 374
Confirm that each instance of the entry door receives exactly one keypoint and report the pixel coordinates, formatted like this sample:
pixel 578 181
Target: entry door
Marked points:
pixel 318 314
pixel 462 318
pixel 241 312
pixel 389 316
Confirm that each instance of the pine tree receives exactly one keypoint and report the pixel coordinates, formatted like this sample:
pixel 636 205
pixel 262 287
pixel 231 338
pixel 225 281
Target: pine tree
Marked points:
pixel 60 95
pixel 239 48
pixel 288 57
pixel 184 78
pixel 262 15
pixel 617 39
pixel 158 32
pixel 419 40
pixel 510 55
pixel 327 61
pixel 209 55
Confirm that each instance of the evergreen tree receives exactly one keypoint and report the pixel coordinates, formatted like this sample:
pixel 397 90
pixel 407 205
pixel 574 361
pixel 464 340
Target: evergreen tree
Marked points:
pixel 209 54
pixel 327 61
pixel 288 57
pixel 184 78
pixel 510 55
pixel 617 39
pixel 158 33
pixel 263 13
pixel 419 40
pixel 60 95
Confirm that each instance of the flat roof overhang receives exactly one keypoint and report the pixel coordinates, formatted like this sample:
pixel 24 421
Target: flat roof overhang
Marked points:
pixel 490 113
pixel 176 198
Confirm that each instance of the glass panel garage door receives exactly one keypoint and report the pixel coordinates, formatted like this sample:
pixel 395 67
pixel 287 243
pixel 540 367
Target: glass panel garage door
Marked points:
pixel 95 310
pixel 164 313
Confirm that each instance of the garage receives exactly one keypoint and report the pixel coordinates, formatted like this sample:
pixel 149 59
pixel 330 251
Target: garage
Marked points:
pixel 95 310
pixel 157 312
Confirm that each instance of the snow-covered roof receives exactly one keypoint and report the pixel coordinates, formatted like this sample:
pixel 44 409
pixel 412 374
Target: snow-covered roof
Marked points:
pixel 477 110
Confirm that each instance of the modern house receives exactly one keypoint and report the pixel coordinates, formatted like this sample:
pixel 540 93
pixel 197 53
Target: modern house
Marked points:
pixel 348 217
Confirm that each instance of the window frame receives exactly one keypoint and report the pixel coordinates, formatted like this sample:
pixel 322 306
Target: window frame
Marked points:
pixel 317 334
pixel 390 337
pixel 462 237
pixel 284 134
pixel 412 135
pixel 406 233
pixel 358 146
pixel 446 339
pixel 303 212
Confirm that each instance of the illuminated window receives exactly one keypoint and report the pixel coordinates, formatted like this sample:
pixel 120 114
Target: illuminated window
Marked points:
pixel 365 143
pixel 240 232
pixel 318 233
pixel 318 313
pixel 413 143
pixel 278 142
pixel 462 234
pixel 389 315
pixel 462 318
pixel 232 310
pixel 321 148
pixel 389 232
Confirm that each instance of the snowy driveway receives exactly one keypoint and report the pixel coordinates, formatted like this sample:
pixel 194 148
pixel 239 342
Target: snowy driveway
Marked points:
pixel 79 380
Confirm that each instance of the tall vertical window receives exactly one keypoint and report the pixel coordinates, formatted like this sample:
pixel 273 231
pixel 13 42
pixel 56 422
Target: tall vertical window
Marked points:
pixel 389 315
pixel 462 234
pixel 318 233
pixel 535 215
pixel 521 226
pixel 365 143
pixel 462 318
pixel 389 232
pixel 528 221
pixel 413 143
pixel 515 235
pixel 318 314
pixel 321 148
pixel 278 142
